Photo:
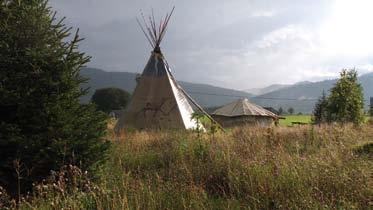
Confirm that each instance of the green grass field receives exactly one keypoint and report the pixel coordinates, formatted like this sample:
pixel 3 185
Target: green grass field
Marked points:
pixel 295 118
pixel 300 118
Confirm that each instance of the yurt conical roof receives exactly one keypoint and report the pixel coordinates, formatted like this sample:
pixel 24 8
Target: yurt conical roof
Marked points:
pixel 243 107
pixel 157 101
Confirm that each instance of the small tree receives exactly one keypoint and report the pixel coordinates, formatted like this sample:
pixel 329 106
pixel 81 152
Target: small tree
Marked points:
pixel 291 110
pixel 198 117
pixel 346 102
pixel 43 126
pixel 280 111
pixel 320 111
pixel 108 99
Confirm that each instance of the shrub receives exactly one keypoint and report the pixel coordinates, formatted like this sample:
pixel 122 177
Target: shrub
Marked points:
pixel 108 99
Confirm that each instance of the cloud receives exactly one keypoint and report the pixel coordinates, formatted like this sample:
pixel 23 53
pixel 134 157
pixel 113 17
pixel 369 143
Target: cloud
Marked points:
pixel 237 44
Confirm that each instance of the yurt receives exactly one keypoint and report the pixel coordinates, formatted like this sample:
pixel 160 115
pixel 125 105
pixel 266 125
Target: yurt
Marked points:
pixel 243 112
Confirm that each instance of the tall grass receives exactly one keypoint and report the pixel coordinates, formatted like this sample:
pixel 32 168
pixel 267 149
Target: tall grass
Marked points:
pixel 246 168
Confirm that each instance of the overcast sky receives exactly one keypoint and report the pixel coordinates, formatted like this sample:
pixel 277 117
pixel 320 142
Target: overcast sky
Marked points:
pixel 237 44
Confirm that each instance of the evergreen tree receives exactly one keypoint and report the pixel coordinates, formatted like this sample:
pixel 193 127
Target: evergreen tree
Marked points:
pixel 280 111
pixel 108 99
pixel 346 101
pixel 43 126
pixel 321 109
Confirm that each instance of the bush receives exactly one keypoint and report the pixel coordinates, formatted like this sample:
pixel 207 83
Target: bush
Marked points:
pixel 364 149
pixel 108 99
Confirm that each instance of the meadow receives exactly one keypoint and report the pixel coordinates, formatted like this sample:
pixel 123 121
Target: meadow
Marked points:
pixel 306 167
pixel 303 118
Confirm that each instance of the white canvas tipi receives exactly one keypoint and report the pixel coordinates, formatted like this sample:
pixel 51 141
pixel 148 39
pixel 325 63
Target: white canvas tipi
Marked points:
pixel 158 102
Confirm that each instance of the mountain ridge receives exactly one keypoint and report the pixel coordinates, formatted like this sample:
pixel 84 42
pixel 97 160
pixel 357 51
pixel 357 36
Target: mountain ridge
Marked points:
pixel 266 89
pixel 306 94
pixel 206 95
pixel 301 96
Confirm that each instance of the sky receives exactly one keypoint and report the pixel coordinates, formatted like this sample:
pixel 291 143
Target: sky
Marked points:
pixel 238 44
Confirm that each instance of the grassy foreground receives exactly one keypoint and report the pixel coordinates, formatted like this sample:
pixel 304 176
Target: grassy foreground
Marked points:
pixel 247 168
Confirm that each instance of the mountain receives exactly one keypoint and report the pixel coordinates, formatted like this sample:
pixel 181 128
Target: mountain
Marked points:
pixel 307 93
pixel 301 96
pixel 216 96
pixel 367 83
pixel 98 78
pixel 261 91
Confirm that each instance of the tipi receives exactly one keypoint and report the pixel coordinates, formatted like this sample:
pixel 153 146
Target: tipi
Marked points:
pixel 158 102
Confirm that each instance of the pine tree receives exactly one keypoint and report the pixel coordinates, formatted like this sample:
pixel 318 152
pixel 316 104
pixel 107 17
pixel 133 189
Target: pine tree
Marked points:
pixel 321 109
pixel 43 126
pixel 346 101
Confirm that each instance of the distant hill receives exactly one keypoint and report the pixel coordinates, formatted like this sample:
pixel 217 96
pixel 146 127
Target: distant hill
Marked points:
pixel 102 79
pixel 261 91
pixel 367 83
pixel 216 96
pixel 307 93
